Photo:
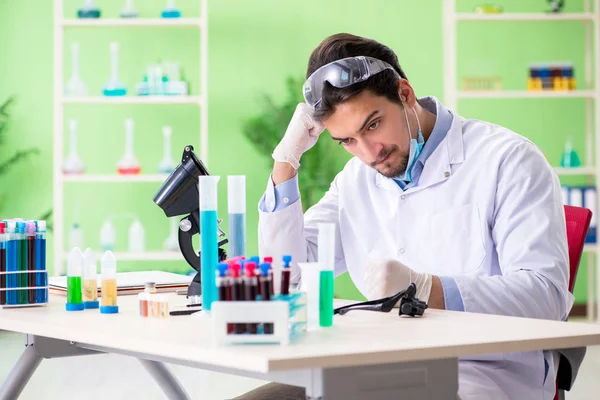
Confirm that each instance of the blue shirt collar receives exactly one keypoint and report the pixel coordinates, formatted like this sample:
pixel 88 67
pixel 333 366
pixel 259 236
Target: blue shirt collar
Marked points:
pixel 443 122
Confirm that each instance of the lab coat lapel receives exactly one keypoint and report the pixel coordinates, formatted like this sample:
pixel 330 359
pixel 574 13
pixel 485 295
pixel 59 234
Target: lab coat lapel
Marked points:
pixel 438 165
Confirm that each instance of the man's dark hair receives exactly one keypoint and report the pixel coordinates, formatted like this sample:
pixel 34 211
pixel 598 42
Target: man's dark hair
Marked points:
pixel 343 45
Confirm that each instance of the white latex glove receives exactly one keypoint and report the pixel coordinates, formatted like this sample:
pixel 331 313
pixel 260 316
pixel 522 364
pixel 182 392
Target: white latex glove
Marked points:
pixel 385 278
pixel 301 135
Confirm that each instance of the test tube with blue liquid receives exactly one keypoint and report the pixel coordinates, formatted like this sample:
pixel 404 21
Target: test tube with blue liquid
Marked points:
pixel 209 253
pixel 31 256
pixel 22 262
pixel 12 265
pixel 41 278
pixel 236 203
pixel 2 263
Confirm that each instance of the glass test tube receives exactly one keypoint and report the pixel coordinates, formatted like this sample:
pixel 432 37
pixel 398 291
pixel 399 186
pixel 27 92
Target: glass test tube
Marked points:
pixel 236 204
pixel 41 278
pixel 22 263
pixel 207 187
pixel 311 284
pixel 90 280
pixel 326 263
pixel 74 270
pixel 11 262
pixel 30 249
pixel 250 286
pixel 108 265
pixel 237 293
pixel 2 263
pixel 285 275
pixel 266 284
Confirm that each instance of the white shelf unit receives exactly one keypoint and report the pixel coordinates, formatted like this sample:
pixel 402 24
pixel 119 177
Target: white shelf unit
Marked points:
pixel 579 171
pixel 524 94
pixel 61 101
pixel 133 22
pixel 145 256
pixel 96 178
pixel 98 100
pixel 590 92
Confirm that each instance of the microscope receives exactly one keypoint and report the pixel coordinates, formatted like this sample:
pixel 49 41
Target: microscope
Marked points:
pixel 179 195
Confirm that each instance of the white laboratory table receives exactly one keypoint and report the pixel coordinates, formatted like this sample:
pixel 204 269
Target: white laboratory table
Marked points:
pixel 365 355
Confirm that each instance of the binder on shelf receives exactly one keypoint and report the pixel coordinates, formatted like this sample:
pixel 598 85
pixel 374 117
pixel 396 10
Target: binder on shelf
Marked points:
pixel 583 196
pixel 564 191
pixel 589 201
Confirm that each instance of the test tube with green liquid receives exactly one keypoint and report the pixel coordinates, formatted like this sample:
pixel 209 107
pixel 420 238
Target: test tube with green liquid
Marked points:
pixel 326 264
pixel 74 270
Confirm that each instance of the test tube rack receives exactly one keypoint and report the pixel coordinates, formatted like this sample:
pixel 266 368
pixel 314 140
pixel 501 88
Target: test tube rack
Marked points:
pixel 224 313
pixel 41 296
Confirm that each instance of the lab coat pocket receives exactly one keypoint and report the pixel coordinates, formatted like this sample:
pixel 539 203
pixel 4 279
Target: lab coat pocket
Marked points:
pixel 457 240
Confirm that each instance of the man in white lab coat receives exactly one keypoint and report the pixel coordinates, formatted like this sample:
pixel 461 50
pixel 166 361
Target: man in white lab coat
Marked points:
pixel 468 210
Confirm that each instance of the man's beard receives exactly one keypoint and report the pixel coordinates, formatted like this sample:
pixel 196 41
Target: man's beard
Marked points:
pixel 391 171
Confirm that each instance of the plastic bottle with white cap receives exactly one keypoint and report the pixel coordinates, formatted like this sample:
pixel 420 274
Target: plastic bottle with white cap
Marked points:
pixel 74 269
pixel 108 303
pixel 90 281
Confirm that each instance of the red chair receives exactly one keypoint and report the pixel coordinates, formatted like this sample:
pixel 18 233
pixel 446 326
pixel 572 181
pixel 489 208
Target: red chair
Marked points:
pixel 578 221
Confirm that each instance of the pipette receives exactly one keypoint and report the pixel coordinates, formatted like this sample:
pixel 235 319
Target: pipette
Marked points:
pixel 90 282
pixel 74 267
pixel 128 10
pixel 75 86
pixel 109 284
pixel 89 9
pixel 128 164
pixel 170 10
pixel 73 163
pixel 166 165
pixel 114 86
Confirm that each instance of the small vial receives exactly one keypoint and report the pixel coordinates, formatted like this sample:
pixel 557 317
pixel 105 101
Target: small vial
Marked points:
pixel 164 306
pixel 143 302
pixel 109 284
pixel 150 287
pixel 90 282
pixel 74 267
pixel 155 305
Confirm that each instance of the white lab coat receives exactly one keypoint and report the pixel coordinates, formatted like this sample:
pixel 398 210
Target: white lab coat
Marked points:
pixel 487 210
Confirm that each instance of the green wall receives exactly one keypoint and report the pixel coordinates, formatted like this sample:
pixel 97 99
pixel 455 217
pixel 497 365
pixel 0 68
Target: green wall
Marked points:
pixel 253 47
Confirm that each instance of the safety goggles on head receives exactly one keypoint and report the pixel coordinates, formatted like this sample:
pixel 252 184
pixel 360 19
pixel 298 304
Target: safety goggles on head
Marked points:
pixel 340 74
pixel 408 304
